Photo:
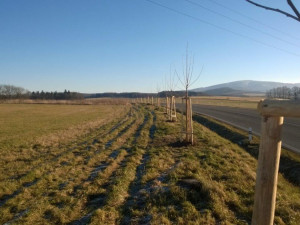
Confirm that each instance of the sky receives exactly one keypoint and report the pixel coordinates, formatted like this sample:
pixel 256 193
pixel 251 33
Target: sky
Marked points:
pixel 136 45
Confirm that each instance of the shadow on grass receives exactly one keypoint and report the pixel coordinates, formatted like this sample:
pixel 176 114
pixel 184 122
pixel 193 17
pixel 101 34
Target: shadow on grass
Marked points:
pixel 179 144
pixel 195 193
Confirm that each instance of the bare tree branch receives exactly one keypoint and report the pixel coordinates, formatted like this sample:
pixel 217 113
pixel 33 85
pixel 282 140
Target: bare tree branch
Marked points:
pixel 291 4
pixel 197 78
pixel 280 11
pixel 179 78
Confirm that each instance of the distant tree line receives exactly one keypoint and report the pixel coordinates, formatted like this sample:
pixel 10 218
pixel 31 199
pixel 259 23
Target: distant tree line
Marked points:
pixel 179 93
pixel 66 95
pixel 141 95
pixel 284 93
pixel 119 95
pixel 13 92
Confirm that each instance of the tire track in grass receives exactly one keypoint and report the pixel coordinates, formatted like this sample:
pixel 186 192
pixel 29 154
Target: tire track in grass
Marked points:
pixel 103 169
pixel 110 180
pixel 110 142
pixel 145 188
pixel 112 156
pixel 123 131
pixel 136 185
pixel 27 184
pixel 70 146
pixel 125 176
pixel 69 149
pixel 61 186
pixel 86 140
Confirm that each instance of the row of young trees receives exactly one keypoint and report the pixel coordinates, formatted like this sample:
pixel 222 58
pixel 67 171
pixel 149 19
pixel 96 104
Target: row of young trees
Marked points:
pixel 284 93
pixel 186 79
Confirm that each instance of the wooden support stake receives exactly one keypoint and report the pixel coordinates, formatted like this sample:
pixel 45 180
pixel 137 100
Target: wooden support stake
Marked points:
pixel 285 108
pixel 170 108
pixel 158 102
pixel 167 105
pixel 267 171
pixel 189 121
pixel 173 109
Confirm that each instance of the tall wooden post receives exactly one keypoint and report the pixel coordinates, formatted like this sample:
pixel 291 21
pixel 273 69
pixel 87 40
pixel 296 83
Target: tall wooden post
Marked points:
pixel 152 100
pixel 167 105
pixel 173 109
pixel 267 171
pixel 170 108
pixel 189 121
pixel 158 102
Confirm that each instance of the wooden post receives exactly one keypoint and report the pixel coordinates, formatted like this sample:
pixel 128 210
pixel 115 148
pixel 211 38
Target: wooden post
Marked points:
pixel 267 171
pixel 167 105
pixel 152 100
pixel 285 108
pixel 189 121
pixel 272 112
pixel 173 109
pixel 158 102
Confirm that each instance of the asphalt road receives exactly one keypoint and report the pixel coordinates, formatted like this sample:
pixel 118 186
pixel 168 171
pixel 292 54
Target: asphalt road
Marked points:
pixel 245 118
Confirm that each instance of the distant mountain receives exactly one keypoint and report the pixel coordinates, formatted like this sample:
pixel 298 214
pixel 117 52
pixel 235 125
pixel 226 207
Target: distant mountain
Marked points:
pixel 225 91
pixel 246 86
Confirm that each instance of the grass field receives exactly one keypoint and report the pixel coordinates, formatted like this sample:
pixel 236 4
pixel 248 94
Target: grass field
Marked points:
pixel 23 124
pixel 238 102
pixel 128 167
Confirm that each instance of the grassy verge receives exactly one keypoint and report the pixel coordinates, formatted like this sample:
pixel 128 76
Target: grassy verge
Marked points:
pixel 135 170
pixel 289 161
pixel 211 182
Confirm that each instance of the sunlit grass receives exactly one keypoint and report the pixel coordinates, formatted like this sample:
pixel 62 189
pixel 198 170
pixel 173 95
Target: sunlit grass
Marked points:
pixel 135 170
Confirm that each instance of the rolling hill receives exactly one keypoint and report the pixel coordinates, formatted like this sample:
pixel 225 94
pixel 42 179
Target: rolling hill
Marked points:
pixel 243 87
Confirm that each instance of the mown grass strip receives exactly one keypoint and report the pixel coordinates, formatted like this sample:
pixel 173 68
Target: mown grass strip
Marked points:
pixel 124 176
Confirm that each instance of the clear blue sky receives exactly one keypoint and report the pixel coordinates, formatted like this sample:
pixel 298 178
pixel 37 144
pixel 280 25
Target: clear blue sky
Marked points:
pixel 129 45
